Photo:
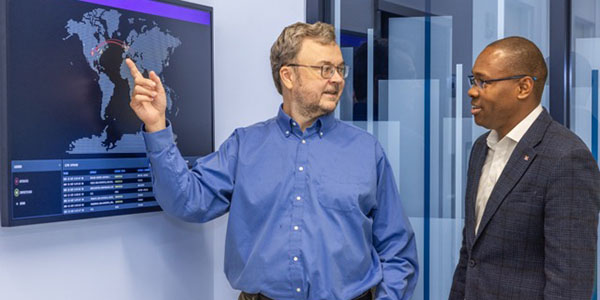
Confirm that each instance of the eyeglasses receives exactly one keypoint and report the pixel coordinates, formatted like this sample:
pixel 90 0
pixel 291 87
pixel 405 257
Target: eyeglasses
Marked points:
pixel 328 70
pixel 483 83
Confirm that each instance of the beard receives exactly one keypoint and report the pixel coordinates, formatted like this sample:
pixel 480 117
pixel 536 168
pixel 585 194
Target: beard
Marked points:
pixel 309 102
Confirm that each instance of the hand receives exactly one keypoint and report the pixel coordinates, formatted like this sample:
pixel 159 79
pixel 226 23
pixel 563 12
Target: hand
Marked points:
pixel 148 100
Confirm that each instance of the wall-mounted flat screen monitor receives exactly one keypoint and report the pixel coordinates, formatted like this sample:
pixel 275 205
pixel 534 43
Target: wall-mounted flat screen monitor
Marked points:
pixel 70 145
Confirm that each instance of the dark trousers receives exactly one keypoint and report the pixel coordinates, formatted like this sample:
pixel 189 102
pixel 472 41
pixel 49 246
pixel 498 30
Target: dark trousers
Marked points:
pixel 368 295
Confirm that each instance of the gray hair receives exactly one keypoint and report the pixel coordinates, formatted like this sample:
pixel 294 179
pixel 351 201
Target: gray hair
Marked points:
pixel 286 47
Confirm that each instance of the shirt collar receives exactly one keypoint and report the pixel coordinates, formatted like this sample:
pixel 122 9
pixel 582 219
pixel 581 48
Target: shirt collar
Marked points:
pixel 287 125
pixel 518 131
pixel 284 121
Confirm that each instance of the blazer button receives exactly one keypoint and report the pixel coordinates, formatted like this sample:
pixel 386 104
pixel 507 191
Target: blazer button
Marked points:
pixel 472 263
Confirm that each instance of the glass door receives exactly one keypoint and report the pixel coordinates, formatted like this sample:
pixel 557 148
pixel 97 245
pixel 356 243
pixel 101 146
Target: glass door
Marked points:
pixel 409 61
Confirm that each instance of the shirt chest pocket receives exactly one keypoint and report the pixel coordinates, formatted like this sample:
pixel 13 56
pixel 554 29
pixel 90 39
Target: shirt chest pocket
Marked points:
pixel 345 194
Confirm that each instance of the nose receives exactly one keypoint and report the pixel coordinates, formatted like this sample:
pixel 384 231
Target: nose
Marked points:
pixel 337 77
pixel 473 92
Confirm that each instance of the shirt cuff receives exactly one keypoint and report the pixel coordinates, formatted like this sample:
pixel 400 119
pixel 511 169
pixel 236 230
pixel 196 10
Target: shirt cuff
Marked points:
pixel 159 140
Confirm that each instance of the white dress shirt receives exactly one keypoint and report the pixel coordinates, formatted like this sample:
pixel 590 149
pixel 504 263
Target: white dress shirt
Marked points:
pixel 499 152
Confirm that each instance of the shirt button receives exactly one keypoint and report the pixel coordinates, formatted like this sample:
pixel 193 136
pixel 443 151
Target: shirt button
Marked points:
pixel 472 263
pixel 287 132
pixel 321 133
pixel 293 123
pixel 296 228
pixel 303 141
pixel 298 290
pixel 295 258
pixel 301 169
pixel 298 198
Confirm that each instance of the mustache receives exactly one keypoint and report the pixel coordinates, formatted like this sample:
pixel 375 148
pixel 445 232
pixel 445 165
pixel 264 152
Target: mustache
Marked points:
pixel 335 89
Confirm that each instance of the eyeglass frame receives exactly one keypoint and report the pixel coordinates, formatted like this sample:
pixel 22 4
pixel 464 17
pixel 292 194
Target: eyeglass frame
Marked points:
pixel 482 84
pixel 344 73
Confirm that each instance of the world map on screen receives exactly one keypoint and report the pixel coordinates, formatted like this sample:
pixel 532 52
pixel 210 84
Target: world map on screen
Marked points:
pixel 107 38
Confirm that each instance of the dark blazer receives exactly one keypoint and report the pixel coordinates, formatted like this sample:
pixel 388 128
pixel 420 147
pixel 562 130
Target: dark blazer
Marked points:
pixel 537 236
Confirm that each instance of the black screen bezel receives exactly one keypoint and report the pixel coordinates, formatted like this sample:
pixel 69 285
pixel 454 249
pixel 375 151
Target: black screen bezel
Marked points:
pixel 5 177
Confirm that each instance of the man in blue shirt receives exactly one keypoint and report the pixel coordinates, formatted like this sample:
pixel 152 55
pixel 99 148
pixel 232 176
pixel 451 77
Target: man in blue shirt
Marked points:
pixel 314 209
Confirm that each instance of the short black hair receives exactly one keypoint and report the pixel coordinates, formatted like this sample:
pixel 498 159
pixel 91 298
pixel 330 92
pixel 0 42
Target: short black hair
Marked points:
pixel 524 58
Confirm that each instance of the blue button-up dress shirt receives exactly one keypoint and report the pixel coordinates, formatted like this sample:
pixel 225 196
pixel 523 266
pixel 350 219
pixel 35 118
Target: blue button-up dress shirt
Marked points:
pixel 312 215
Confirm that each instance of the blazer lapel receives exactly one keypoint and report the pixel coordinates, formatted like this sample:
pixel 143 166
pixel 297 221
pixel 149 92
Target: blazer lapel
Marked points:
pixel 478 155
pixel 519 161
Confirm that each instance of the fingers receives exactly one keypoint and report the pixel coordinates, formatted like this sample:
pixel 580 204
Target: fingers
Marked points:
pixel 140 90
pixel 156 80
pixel 138 77
pixel 142 95
pixel 144 82
pixel 138 100
pixel 145 90
pixel 132 68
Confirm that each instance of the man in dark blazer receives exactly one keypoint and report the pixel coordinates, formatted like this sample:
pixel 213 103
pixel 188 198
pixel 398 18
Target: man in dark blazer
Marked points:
pixel 533 189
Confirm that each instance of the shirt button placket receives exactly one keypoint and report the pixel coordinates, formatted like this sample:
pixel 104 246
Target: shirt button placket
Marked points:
pixel 299 195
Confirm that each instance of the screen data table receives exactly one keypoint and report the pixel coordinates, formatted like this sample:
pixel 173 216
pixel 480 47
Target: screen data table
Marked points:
pixel 43 188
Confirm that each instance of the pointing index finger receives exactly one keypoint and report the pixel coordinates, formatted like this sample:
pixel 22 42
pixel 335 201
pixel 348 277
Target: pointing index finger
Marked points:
pixel 132 68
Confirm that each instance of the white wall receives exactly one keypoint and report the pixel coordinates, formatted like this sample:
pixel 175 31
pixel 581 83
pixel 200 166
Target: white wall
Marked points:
pixel 144 256
pixel 151 255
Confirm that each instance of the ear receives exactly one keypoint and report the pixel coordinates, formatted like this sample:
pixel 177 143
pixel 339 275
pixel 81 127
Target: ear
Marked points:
pixel 287 76
pixel 525 88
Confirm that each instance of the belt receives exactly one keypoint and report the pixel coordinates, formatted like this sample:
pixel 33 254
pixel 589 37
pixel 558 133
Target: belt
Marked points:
pixel 245 296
